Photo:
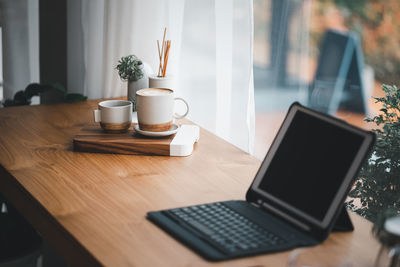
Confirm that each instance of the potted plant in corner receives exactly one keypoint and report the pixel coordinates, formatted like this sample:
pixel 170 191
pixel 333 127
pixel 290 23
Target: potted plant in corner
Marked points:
pixel 50 93
pixel 135 72
pixel 377 190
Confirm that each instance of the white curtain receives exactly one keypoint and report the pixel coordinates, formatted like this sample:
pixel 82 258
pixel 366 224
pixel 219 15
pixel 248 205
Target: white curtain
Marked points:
pixel 211 55
pixel 19 41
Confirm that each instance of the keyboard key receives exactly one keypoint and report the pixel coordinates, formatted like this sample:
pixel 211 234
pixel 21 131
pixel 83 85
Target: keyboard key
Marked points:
pixel 202 228
pixel 242 246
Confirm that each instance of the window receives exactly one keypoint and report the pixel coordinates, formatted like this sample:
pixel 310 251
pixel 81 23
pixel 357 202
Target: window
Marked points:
pixel 288 37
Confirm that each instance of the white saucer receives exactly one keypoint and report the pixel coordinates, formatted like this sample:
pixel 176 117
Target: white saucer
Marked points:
pixel 174 129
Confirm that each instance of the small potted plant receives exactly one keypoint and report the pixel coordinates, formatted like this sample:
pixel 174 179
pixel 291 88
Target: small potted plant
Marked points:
pixel 135 72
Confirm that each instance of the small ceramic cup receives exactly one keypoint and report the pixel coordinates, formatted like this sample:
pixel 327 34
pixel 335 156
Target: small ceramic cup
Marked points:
pixel 155 109
pixel 115 116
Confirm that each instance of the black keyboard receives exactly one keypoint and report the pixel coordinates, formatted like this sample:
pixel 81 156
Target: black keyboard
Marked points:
pixel 224 228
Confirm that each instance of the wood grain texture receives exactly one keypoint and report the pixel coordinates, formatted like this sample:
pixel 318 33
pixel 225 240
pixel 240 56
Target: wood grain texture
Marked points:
pixel 115 127
pixel 93 139
pixel 91 207
pixel 162 127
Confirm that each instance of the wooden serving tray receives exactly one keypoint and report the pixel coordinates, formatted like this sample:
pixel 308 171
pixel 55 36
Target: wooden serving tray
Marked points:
pixel 93 139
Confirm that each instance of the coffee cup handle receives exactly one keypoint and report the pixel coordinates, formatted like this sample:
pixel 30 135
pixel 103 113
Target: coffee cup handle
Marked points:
pixel 178 116
pixel 97 115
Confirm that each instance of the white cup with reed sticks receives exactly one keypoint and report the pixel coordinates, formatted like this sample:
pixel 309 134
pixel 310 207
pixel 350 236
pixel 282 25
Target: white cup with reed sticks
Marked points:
pixel 167 82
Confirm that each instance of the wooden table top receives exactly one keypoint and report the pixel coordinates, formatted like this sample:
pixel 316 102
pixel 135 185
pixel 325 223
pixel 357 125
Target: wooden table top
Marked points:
pixel 91 207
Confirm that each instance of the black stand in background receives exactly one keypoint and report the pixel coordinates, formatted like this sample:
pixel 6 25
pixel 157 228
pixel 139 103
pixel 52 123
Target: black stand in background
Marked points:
pixel 343 222
pixel 338 80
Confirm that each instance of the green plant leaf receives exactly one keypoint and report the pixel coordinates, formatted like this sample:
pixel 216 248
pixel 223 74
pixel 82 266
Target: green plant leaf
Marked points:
pixel 33 89
pixel 59 87
pixel 70 98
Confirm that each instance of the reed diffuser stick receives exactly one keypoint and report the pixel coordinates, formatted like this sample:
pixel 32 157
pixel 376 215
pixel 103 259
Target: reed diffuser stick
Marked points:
pixel 160 56
pixel 166 58
pixel 162 52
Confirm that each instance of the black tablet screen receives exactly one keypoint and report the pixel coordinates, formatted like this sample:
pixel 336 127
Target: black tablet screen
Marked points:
pixel 310 164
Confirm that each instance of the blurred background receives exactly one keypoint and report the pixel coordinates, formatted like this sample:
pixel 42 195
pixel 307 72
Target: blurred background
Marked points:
pixel 288 37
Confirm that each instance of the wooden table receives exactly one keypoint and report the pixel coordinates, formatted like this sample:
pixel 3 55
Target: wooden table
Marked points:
pixel 91 207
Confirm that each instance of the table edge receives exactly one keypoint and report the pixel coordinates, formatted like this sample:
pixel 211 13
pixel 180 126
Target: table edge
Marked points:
pixel 55 234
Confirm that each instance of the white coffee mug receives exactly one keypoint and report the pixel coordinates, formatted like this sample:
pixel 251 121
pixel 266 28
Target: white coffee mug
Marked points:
pixel 155 109
pixel 114 115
